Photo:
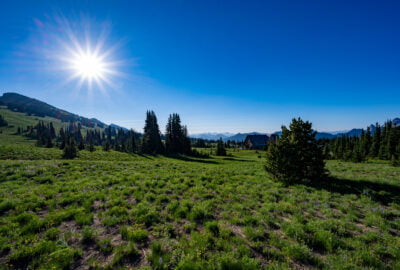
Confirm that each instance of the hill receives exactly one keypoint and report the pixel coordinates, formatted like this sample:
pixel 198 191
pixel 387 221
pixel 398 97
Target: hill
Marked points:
pixel 34 107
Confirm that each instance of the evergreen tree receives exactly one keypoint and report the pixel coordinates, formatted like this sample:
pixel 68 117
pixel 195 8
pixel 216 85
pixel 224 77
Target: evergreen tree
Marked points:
pixel 3 121
pixel 366 145
pixel 376 141
pixel 151 141
pixel 106 145
pixel 296 155
pixel 91 146
pixel 81 145
pixel 220 148
pixel 132 142
pixel 176 138
pixel 62 139
pixel 70 150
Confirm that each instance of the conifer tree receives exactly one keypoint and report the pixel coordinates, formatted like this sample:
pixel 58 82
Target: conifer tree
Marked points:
pixel 132 142
pixel 81 145
pixel 376 141
pixel 151 141
pixel 296 155
pixel 383 149
pixel 91 146
pixel 220 148
pixel 70 150
pixel 3 121
pixel 176 137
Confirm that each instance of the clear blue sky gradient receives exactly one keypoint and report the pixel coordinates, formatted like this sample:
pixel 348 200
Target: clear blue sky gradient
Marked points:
pixel 224 66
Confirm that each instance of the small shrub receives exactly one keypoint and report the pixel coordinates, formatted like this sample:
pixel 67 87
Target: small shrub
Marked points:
pixel 200 213
pixel 158 257
pixel 139 235
pixel 105 245
pixel 124 254
pixel 61 259
pixel 88 235
pixel 83 219
pixel 6 205
pixel 52 234
pixel 213 227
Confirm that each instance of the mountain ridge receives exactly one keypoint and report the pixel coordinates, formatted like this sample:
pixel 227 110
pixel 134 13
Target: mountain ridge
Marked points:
pixel 32 106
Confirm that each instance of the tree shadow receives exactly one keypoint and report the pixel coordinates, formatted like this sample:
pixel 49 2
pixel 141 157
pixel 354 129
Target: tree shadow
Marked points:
pixel 237 159
pixel 190 159
pixel 380 192
pixel 146 156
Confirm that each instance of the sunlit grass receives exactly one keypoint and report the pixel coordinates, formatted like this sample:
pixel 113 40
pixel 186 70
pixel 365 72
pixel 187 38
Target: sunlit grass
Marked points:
pixel 129 210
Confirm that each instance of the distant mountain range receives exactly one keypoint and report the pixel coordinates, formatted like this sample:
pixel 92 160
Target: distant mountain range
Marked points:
pixel 224 136
pixel 31 106
pixel 355 132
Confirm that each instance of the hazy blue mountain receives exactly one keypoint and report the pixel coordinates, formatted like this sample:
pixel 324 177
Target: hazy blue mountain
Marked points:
pixel 241 136
pixel 211 135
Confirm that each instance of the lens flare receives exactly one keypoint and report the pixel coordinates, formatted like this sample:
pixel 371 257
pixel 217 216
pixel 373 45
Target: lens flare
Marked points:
pixel 89 66
pixel 89 57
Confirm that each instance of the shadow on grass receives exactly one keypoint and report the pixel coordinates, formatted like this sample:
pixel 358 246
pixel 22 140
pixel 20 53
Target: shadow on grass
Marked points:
pixel 146 156
pixel 237 159
pixel 190 159
pixel 379 192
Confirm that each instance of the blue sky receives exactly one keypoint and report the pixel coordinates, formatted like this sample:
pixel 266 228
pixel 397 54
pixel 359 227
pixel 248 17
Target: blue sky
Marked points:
pixel 224 66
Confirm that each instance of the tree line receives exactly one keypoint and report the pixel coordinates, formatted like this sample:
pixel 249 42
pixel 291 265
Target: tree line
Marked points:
pixel 383 142
pixel 71 139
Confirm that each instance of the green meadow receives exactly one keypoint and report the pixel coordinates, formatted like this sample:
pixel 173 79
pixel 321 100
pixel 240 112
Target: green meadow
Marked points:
pixel 110 210
pixel 114 210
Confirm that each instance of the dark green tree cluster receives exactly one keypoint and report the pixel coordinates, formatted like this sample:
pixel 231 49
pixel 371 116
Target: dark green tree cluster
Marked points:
pixel 296 156
pixel 220 151
pixel 70 136
pixel 200 143
pixel 3 122
pixel 70 150
pixel 383 144
pixel 151 140
pixel 176 138
pixel 43 133
pixel 71 132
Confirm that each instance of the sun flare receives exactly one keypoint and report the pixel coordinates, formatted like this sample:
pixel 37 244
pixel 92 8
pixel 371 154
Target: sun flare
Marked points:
pixel 91 61
pixel 89 66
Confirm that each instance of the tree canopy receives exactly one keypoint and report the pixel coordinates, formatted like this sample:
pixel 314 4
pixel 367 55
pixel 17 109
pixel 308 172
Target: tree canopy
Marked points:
pixel 296 155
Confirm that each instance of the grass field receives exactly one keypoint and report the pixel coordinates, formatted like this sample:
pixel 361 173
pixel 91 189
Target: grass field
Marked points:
pixel 114 210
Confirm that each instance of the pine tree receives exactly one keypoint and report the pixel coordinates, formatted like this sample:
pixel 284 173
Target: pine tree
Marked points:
pixel 70 150
pixel 106 145
pixel 176 137
pixel 132 142
pixel 296 155
pixel 151 141
pixel 383 145
pixel 3 121
pixel 376 141
pixel 367 142
pixel 91 146
pixel 62 138
pixel 81 145
pixel 220 148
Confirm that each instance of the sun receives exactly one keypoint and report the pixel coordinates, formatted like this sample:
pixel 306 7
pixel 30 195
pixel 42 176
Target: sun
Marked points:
pixel 88 66
pixel 91 66
pixel 90 62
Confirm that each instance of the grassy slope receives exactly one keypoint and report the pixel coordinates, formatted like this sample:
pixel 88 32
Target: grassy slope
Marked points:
pixel 119 210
